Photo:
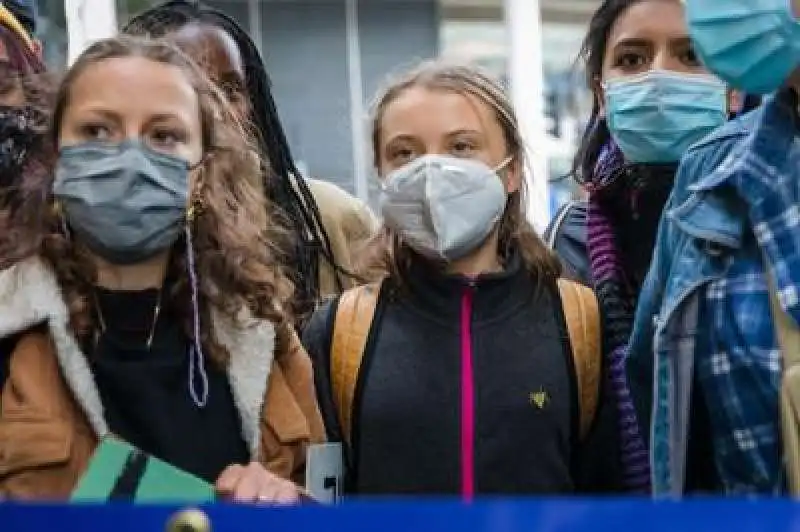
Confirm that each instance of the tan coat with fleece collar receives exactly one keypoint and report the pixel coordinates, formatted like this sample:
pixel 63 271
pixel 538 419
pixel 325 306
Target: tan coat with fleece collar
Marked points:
pixel 51 416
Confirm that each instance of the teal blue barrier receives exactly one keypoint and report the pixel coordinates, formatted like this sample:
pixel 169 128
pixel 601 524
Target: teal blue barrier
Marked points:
pixel 491 516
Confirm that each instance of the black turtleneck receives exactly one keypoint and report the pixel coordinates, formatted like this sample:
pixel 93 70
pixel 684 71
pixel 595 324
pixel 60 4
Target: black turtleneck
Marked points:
pixel 145 391
pixel 635 206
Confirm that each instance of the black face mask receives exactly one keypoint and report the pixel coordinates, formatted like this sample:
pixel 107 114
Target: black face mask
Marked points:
pixel 21 137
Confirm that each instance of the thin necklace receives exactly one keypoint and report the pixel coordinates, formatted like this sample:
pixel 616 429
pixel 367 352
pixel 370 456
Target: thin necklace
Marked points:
pixel 103 328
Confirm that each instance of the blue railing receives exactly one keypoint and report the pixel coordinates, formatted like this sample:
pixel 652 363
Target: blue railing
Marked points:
pixel 497 516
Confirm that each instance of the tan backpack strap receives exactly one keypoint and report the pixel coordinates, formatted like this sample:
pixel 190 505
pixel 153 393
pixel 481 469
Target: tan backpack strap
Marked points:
pixel 351 327
pixel 787 332
pixel 788 335
pixel 583 326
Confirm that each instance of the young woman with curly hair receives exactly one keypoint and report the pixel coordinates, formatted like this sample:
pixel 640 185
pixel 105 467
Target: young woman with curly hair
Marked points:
pixel 134 298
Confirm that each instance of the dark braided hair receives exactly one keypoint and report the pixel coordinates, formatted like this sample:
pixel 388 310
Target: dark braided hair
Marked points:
pixel 286 187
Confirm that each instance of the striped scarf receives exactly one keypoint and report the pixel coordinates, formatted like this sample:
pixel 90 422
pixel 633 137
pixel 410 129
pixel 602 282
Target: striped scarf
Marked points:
pixel 617 300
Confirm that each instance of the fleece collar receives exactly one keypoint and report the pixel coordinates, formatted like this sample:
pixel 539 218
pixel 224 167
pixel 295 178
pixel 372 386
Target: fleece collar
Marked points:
pixel 30 296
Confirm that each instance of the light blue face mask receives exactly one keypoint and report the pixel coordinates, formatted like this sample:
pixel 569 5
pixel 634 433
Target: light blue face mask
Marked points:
pixel 655 117
pixel 752 44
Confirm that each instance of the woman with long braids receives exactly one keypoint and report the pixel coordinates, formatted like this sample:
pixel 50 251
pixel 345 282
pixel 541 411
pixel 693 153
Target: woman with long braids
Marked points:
pixel 328 223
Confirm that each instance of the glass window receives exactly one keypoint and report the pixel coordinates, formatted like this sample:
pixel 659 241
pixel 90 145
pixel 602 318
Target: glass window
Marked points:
pixel 52 26
pixel 128 8
pixel 52 31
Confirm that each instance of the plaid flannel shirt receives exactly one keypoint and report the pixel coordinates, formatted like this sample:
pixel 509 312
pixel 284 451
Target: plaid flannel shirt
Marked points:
pixel 704 319
pixel 740 373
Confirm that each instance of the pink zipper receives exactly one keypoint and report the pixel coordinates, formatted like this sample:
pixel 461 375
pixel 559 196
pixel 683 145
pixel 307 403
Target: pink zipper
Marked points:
pixel 467 399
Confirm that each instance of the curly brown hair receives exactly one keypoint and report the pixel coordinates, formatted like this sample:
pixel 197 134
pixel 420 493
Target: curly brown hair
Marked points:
pixel 236 244
pixel 387 254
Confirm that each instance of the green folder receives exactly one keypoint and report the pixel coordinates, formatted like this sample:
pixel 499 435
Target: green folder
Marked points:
pixel 120 472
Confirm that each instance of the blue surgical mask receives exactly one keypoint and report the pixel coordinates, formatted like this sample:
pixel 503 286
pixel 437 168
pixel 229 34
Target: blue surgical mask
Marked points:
pixel 655 117
pixel 752 44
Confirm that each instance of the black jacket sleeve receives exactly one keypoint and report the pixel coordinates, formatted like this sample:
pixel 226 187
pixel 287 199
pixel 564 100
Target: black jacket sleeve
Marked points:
pixel 597 467
pixel 317 341
pixel 567 233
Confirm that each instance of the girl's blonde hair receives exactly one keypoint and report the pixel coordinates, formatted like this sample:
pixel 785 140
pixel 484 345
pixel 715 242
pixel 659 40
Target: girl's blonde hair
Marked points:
pixel 386 254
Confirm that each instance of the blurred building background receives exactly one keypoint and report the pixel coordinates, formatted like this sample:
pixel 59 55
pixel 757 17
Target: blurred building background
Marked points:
pixel 327 58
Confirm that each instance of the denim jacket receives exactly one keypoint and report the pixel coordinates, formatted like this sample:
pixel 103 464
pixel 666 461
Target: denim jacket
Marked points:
pixel 704 224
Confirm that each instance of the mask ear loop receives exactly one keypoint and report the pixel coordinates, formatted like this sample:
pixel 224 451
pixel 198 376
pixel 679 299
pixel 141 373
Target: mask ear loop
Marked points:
pixel 501 170
pixel 62 219
pixel 196 355
pixel 503 165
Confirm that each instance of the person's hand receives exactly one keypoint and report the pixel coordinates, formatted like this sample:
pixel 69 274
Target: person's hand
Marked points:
pixel 254 484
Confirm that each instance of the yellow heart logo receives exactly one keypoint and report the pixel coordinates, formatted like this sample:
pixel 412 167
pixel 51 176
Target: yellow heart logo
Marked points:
pixel 539 399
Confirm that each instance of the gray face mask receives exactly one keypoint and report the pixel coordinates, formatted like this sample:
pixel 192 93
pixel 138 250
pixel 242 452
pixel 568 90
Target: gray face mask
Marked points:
pixel 443 207
pixel 126 202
